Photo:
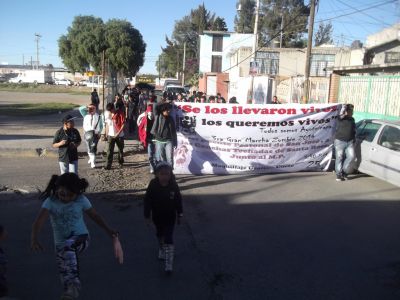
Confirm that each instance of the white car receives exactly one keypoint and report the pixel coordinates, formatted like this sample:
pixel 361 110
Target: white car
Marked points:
pixel 378 149
pixel 175 89
pixel 63 82
pixel 15 80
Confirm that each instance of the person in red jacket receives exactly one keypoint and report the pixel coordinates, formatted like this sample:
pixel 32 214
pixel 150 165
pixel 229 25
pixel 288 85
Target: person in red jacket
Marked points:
pixel 115 135
pixel 145 123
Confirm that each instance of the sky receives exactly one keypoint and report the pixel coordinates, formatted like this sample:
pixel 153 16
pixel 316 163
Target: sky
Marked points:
pixel 20 20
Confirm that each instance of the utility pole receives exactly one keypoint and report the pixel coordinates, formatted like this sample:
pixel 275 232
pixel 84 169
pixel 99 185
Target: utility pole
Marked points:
pixel 183 63
pixel 37 38
pixel 280 42
pixel 308 53
pixel 253 55
pixel 103 73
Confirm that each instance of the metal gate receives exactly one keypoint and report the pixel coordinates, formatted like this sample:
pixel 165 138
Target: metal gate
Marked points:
pixel 372 96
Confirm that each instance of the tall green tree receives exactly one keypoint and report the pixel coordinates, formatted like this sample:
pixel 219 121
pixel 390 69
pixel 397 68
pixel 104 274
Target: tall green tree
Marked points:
pixel 81 47
pixel 89 36
pixel 187 30
pixel 292 14
pixel 324 34
pixel 125 47
pixel 219 25
pixel 244 19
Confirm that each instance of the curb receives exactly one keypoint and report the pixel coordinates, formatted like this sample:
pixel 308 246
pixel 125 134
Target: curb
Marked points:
pixel 38 152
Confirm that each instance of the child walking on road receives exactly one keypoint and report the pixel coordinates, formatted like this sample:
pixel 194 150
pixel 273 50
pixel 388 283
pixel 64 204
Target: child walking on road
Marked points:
pixel 163 203
pixel 65 203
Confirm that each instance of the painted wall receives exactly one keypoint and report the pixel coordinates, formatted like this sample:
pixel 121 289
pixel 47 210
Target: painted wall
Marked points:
pixel 231 42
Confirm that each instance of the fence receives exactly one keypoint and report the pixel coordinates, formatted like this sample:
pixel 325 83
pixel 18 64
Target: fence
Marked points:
pixel 372 96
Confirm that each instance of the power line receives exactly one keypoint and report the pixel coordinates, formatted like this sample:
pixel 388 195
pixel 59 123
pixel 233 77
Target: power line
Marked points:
pixel 372 17
pixel 358 11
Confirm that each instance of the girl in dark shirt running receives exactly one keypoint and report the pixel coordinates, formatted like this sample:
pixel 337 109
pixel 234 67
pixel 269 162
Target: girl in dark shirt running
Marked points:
pixel 163 203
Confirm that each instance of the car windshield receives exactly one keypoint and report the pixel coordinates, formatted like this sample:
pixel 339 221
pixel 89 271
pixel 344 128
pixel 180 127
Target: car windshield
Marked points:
pixel 176 90
pixel 367 131
pixel 390 138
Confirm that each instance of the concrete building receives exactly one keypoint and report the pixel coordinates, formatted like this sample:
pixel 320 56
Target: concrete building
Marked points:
pixel 372 85
pixel 215 50
pixel 284 69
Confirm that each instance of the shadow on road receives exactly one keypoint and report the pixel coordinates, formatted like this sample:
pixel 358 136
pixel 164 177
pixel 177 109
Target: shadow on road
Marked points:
pixel 225 249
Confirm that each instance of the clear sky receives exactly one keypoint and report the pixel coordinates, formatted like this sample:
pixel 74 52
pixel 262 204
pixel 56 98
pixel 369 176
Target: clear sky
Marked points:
pixel 21 19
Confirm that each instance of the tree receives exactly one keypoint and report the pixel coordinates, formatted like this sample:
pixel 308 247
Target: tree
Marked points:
pixel 324 34
pixel 125 47
pixel 88 37
pixel 292 14
pixel 219 25
pixel 187 30
pixel 356 44
pixel 244 20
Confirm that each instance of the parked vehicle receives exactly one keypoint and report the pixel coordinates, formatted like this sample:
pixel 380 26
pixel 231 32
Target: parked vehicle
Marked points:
pixel 3 78
pixel 33 76
pixel 378 149
pixel 63 82
pixel 175 89
pixel 82 83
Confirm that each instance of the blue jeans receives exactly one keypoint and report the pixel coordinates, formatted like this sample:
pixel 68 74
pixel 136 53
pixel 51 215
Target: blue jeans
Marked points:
pixel 151 151
pixel 165 152
pixel 344 156
pixel 71 167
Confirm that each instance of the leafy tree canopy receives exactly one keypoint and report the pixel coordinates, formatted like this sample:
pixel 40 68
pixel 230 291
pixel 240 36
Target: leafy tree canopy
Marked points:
pixel 187 30
pixel 88 36
pixel 244 19
pixel 324 34
pixel 292 14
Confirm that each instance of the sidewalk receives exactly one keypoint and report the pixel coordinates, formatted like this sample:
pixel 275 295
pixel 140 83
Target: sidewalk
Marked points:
pixel 33 137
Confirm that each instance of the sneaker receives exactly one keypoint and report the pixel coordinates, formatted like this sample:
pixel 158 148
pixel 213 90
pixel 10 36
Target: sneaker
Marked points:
pixel 92 165
pixel 72 292
pixel 339 178
pixel 345 176
pixel 89 161
pixel 161 254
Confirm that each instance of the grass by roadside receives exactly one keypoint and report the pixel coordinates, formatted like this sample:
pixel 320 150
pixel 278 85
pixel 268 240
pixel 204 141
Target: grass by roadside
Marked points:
pixel 44 88
pixel 34 109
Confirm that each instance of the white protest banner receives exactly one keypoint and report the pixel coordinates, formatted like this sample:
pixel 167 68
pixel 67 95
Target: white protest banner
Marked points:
pixel 232 138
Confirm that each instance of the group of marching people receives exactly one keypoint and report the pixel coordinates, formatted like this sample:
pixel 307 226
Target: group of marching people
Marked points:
pixel 64 201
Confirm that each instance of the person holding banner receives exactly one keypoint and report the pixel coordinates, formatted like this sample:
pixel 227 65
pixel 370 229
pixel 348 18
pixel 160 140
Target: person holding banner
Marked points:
pixel 344 142
pixel 164 133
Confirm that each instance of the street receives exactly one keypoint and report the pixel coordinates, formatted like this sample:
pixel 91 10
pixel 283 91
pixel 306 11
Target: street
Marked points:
pixel 281 236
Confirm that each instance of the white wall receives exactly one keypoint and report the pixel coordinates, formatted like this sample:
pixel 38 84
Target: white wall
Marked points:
pixel 231 42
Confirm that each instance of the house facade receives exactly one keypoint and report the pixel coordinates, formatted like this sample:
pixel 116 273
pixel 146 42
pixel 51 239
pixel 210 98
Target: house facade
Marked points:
pixel 214 62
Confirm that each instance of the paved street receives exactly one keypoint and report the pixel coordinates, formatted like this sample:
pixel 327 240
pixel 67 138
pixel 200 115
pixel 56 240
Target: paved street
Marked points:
pixel 284 236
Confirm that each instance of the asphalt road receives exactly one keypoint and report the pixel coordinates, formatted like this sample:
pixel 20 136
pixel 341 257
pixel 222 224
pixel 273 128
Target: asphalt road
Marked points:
pixel 282 236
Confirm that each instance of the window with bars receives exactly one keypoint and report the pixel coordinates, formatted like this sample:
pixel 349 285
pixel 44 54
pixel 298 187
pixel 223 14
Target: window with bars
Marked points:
pixel 216 63
pixel 217 43
pixel 319 63
pixel 392 57
pixel 268 62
